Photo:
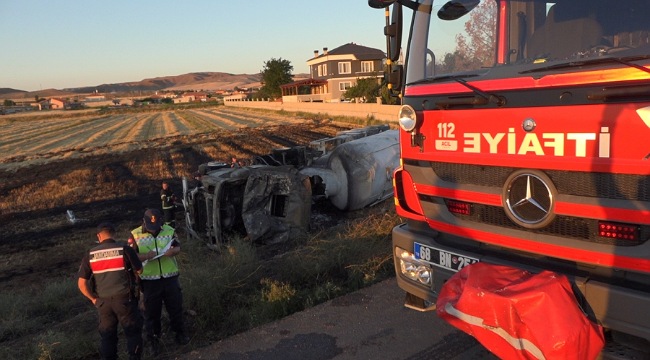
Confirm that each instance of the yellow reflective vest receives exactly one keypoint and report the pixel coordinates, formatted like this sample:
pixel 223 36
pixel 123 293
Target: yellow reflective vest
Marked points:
pixel 162 267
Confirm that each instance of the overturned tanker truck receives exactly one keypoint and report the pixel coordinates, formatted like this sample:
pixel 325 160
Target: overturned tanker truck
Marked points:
pixel 271 200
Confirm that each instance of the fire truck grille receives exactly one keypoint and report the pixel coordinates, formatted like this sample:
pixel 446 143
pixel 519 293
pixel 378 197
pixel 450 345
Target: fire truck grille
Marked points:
pixel 584 184
pixel 563 226
pixel 587 184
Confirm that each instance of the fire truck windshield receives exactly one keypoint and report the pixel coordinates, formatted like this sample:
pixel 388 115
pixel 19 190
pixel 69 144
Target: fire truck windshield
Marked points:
pixel 523 35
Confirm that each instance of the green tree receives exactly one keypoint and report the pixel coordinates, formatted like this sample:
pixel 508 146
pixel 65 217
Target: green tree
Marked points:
pixel 475 47
pixel 9 103
pixel 366 89
pixel 276 72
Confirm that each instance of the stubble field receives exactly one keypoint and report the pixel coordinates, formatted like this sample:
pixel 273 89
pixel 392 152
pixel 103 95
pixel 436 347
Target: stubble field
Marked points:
pixel 108 166
pixel 32 139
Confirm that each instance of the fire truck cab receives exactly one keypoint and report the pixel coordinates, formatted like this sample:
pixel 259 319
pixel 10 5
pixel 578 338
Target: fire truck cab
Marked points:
pixel 524 142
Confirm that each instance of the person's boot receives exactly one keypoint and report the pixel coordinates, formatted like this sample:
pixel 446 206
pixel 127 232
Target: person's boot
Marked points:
pixel 155 345
pixel 181 338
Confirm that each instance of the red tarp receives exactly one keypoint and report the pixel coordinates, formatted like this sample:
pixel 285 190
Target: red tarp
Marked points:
pixel 519 315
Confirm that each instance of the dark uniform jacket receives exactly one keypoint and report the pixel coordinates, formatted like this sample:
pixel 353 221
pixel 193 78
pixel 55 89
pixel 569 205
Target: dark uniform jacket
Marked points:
pixel 168 198
pixel 113 266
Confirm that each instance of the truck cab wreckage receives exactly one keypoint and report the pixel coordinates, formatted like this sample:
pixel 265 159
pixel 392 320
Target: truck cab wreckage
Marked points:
pixel 271 200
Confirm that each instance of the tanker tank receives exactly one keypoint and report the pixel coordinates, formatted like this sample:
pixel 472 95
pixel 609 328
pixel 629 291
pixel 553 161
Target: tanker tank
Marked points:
pixel 358 173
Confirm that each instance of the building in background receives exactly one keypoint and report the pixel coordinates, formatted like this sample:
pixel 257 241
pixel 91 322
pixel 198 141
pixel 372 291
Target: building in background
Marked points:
pixel 332 72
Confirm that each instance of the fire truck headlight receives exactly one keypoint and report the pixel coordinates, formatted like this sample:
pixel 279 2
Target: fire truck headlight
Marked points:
pixel 412 268
pixel 407 118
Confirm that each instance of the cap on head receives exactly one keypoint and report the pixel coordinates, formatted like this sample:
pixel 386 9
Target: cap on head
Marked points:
pixel 106 226
pixel 153 220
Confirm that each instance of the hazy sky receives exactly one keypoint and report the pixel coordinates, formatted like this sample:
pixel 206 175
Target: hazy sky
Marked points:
pixel 73 43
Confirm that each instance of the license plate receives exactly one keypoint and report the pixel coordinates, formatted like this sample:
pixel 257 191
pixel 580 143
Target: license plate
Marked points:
pixel 441 258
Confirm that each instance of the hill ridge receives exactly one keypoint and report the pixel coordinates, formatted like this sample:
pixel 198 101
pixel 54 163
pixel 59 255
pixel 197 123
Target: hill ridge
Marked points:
pixel 200 80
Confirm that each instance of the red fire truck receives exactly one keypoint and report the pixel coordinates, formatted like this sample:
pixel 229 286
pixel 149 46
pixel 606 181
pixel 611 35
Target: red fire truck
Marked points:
pixel 525 141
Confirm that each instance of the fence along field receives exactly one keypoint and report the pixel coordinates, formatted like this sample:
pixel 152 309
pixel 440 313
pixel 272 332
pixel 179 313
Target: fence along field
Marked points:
pixel 35 138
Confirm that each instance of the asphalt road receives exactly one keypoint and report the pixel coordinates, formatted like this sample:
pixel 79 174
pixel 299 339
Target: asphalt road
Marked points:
pixel 369 324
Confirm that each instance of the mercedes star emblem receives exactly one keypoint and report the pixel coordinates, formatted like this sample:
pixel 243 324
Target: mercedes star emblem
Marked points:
pixel 529 125
pixel 529 199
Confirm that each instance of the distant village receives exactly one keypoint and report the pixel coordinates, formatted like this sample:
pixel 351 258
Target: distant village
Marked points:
pixel 112 100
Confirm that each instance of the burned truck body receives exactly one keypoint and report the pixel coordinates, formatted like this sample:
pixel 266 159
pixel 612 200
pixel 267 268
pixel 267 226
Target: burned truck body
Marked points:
pixel 271 200
pixel 259 201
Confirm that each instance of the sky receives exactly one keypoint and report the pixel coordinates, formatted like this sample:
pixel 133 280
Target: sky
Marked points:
pixel 73 43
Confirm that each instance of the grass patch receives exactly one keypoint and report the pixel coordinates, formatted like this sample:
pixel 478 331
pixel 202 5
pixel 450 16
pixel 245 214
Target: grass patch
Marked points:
pixel 44 323
pixel 243 288
pixel 225 292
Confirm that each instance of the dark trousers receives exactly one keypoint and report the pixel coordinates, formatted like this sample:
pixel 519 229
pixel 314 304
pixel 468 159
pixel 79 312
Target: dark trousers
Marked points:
pixel 169 216
pixel 157 292
pixel 122 310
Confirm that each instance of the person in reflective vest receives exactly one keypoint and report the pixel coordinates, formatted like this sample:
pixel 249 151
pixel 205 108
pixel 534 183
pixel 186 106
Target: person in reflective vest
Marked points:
pixel 168 199
pixel 107 277
pixel 157 246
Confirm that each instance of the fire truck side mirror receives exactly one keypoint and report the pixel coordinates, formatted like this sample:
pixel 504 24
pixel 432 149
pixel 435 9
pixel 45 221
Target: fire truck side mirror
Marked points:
pixel 380 4
pixel 455 9
pixel 393 32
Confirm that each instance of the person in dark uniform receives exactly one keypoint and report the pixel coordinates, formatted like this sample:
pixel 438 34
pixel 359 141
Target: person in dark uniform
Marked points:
pixel 157 246
pixel 168 199
pixel 113 268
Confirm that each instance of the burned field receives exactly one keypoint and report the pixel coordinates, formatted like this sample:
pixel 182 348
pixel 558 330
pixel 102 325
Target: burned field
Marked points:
pixel 117 186
pixel 116 180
